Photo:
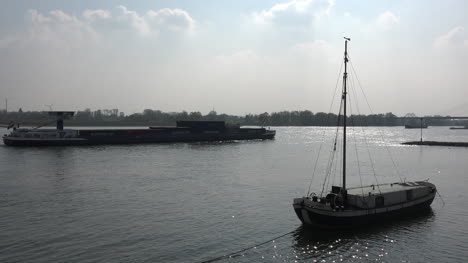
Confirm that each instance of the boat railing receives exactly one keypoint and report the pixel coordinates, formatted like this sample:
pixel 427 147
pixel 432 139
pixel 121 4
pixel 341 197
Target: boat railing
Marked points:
pixel 43 134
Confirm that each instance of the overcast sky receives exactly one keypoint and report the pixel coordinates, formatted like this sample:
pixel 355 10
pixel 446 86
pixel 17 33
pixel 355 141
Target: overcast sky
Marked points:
pixel 237 57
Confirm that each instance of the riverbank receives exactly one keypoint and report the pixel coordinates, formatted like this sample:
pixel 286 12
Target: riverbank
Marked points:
pixel 79 123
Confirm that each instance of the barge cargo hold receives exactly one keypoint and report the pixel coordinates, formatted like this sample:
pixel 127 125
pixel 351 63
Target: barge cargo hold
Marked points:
pixel 184 131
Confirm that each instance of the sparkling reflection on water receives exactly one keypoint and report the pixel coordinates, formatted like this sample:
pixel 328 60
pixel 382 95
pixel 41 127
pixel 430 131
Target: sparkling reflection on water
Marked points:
pixel 384 242
pixel 194 202
pixel 372 243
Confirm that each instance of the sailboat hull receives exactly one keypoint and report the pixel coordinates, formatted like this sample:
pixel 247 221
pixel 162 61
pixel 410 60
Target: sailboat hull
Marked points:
pixel 321 217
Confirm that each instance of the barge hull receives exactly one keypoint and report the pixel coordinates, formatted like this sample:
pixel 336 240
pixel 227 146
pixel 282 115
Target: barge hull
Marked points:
pixel 184 131
pixel 102 140
pixel 436 143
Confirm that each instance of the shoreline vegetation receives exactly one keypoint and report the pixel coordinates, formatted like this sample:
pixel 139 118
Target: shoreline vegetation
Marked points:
pixel 158 118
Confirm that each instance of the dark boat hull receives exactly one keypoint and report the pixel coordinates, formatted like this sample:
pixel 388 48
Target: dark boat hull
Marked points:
pixel 135 139
pixel 184 131
pixel 409 126
pixel 319 220
pixel 434 143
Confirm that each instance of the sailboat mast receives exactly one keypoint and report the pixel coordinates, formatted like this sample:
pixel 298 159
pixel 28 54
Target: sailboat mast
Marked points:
pixel 345 77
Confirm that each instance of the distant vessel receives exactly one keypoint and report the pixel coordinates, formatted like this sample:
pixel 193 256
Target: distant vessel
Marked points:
pixel 416 126
pixel 436 143
pixel 459 128
pixel 348 207
pixel 184 131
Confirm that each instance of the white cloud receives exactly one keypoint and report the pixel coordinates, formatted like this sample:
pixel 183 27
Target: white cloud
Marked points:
pixel 57 28
pixel 174 19
pixel 155 21
pixel 37 17
pixel 92 15
pixel 59 15
pixel 135 20
pixel 387 20
pixel 297 13
pixel 454 37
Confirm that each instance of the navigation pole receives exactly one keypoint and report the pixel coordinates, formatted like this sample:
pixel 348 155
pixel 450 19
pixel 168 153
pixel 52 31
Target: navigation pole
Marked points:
pixel 345 77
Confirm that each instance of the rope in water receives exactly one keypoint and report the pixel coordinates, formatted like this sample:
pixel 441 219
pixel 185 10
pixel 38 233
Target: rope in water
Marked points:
pixel 441 199
pixel 246 249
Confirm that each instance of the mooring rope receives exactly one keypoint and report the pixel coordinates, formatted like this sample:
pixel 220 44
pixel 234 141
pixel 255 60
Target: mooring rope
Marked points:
pixel 246 249
pixel 440 196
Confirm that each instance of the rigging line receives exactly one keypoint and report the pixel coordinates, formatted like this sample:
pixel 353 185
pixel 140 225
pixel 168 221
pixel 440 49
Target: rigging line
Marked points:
pixel 331 178
pixel 366 141
pixel 328 170
pixel 315 166
pixel 340 152
pixel 246 249
pixel 332 154
pixel 339 166
pixel 333 169
pixel 331 173
pixel 353 91
pixel 316 162
pixel 357 106
pixel 354 135
pixel 378 128
pixel 324 131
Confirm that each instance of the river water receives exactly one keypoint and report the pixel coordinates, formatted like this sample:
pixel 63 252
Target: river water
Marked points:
pixel 192 202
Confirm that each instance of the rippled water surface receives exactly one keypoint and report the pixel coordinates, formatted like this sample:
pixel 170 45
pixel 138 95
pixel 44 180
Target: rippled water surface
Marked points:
pixel 195 202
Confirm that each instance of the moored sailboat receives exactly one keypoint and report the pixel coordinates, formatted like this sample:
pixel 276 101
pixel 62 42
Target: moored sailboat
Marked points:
pixel 346 206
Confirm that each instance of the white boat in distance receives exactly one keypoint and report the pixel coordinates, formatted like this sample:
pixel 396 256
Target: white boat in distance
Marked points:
pixel 346 207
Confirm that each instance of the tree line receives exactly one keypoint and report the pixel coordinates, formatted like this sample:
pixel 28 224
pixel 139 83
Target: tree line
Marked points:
pixel 282 118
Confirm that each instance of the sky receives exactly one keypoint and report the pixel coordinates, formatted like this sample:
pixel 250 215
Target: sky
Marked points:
pixel 236 57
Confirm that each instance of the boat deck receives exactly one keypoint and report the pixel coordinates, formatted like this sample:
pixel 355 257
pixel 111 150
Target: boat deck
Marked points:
pixel 384 188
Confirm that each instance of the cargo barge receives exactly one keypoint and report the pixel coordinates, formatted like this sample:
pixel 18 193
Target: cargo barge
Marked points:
pixel 184 131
